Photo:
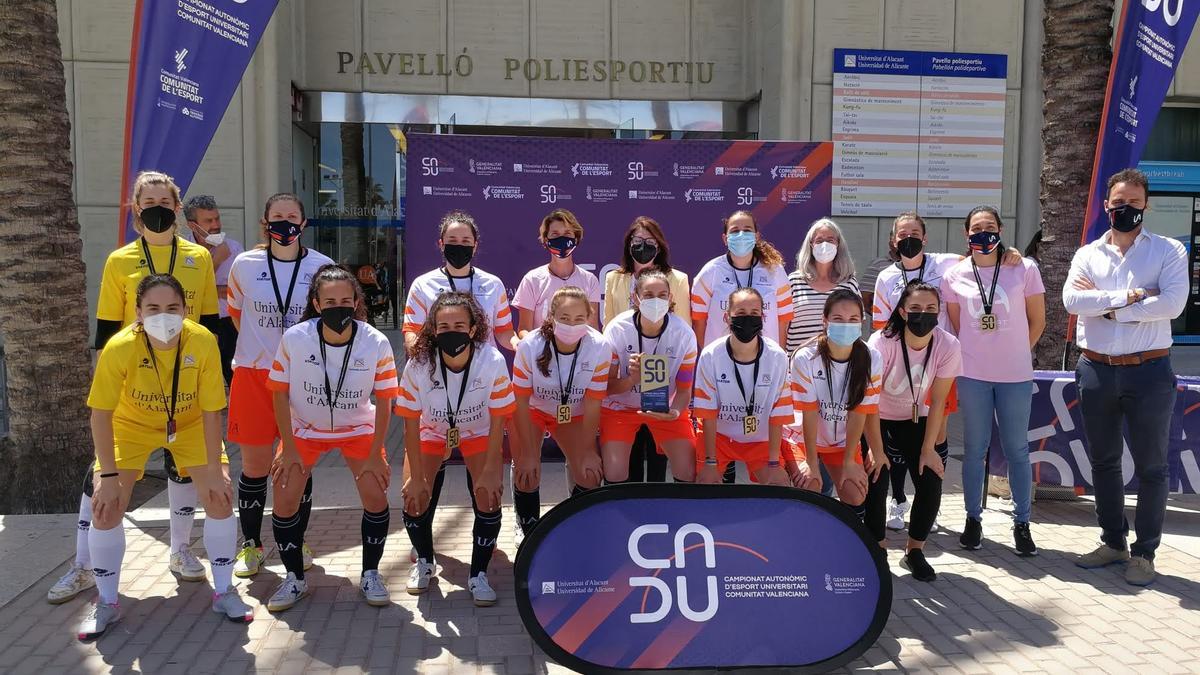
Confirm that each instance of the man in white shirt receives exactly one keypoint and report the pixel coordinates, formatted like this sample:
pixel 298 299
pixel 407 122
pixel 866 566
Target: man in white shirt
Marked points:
pixel 1126 287
pixel 204 224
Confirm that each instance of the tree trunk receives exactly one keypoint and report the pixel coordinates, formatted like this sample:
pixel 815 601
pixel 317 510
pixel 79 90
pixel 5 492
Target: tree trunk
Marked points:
pixel 43 290
pixel 1076 55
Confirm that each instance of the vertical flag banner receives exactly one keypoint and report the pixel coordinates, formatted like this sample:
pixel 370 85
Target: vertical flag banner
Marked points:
pixel 185 61
pixel 1151 36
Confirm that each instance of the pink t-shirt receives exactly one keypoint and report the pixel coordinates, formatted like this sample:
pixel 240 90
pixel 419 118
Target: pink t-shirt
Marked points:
pixel 1000 355
pixel 539 285
pixel 896 399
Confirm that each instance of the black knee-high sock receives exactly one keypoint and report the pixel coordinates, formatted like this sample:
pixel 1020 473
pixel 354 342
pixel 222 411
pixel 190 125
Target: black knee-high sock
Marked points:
pixel 420 532
pixel 730 476
pixel 306 504
pixel 252 499
pixel 576 490
pixel 860 511
pixel 528 506
pixel 374 535
pixel 289 538
pixel 484 533
pixel 606 482
pixel 875 507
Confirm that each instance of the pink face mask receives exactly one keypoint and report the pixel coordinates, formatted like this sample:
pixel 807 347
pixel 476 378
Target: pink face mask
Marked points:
pixel 570 334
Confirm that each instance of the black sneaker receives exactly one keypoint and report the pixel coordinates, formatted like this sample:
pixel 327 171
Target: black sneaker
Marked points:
pixel 914 561
pixel 972 536
pixel 1023 540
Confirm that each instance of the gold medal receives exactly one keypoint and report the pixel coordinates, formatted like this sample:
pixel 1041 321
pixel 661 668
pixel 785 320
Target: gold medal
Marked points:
pixel 916 413
pixel 452 438
pixel 564 414
pixel 987 322
pixel 750 424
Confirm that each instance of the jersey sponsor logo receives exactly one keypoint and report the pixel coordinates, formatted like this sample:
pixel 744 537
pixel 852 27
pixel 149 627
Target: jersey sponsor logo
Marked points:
pixel 723 377
pixel 185 511
pixel 263 276
pixel 145 363
pixel 476 384
pixel 360 363
pixel 222 562
pixel 189 361
pixel 312 359
pixel 657 583
pixel 85 524
pixel 189 261
pixel 436 385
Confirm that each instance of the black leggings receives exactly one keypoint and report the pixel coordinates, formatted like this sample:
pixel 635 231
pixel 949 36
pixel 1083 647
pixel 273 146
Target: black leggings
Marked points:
pixel 902 440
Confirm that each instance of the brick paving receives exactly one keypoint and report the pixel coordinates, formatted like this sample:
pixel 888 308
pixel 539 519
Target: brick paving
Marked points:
pixel 989 611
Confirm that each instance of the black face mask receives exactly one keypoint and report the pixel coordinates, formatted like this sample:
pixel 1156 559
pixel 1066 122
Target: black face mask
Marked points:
pixel 746 327
pixel 1125 218
pixel 458 255
pixel 921 323
pixel 283 232
pixel 909 247
pixel 453 342
pixel 643 253
pixel 337 319
pixel 157 218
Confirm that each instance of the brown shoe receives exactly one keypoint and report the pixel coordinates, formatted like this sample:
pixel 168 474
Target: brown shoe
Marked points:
pixel 1140 571
pixel 1103 555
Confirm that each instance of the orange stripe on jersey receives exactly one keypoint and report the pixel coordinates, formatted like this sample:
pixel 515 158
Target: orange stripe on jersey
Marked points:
pixel 805 405
pixel 521 391
pixel 798 388
pixel 702 395
pixel 871 391
pixel 519 374
pixel 697 300
pixel 504 312
pixel 385 375
pixel 595 394
pixel 406 412
pixel 410 327
pixel 389 393
pixel 878 325
pixel 234 311
pixel 401 392
pixel 499 381
pixel 277 366
pixel 506 411
pixel 384 361
pixel 705 413
pixel 409 311
pixel 781 419
pixel 699 316
pixel 872 409
pixel 276 385
pixel 805 377
pixel 690 356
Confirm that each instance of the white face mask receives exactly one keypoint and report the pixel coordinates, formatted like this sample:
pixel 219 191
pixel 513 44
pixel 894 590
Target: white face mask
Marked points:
pixel 825 251
pixel 654 309
pixel 163 327
pixel 215 239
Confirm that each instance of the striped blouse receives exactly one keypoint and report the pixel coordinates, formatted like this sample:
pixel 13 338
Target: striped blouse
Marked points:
pixel 808 307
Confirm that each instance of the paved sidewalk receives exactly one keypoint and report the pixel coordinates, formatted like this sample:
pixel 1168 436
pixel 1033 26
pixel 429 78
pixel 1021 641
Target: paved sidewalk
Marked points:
pixel 989 611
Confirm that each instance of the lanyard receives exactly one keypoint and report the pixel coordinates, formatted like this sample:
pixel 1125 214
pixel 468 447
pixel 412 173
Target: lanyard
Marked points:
pixel 454 288
pixel 451 413
pixel 174 384
pixel 908 369
pixel 737 374
pixel 565 390
pixel 920 270
pixel 332 396
pixel 150 258
pixel 749 277
pixel 988 299
pixel 284 305
pixel 845 390
pixel 637 325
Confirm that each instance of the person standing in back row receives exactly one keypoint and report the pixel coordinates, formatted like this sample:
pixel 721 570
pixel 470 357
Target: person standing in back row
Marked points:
pixel 204 220
pixel 1125 287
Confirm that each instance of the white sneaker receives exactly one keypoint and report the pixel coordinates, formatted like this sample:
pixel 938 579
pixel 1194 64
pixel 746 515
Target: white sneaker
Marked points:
pixel 412 554
pixel 518 534
pixel 481 591
pixel 248 562
pixel 419 576
pixel 74 582
pixel 374 589
pixel 230 604
pixel 99 619
pixel 291 591
pixel 933 528
pixel 896 513
pixel 308 556
pixel 185 565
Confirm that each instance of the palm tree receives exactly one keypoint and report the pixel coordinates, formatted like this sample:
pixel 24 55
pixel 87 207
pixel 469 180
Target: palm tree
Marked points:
pixel 43 292
pixel 1076 53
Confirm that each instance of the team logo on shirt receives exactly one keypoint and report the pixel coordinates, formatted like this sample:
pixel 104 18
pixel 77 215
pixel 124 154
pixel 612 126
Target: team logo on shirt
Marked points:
pixel 585 366
pixel 264 276
pixel 189 361
pixel 820 375
pixel 629 348
pixel 145 363
pixel 724 377
pixel 312 359
pixel 189 261
pixel 476 384
pixel 436 385
pixel 766 379
pixel 360 363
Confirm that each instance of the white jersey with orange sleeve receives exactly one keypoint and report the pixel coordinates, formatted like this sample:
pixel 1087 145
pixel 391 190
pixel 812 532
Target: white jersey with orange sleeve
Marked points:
pixel 487 288
pixel 325 406
pixel 719 395
pixel 677 342
pixel 584 372
pixel 719 278
pixel 892 279
pixel 252 301
pixel 817 388
pixel 486 392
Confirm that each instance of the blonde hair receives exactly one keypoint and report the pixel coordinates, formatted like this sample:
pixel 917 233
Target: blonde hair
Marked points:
pixel 146 178
pixel 843 264
pixel 565 216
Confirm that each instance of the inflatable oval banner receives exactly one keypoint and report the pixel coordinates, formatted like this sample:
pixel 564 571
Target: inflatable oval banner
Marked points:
pixel 667 576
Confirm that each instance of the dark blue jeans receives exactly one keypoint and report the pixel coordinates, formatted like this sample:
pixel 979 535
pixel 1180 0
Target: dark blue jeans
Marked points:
pixel 1143 397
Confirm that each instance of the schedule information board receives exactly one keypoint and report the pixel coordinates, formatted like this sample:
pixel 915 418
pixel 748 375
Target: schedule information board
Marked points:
pixel 917 130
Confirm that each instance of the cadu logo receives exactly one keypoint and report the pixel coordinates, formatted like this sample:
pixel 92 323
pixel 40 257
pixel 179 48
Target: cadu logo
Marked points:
pixel 681 589
pixel 1171 17
pixel 549 194
pixel 637 171
pixel 429 166
pixel 745 196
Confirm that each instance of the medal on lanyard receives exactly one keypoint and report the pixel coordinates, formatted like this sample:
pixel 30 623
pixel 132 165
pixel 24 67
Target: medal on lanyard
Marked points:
pixel 453 435
pixel 331 396
pixel 916 408
pixel 564 401
pixel 750 420
pixel 987 322
pixel 171 427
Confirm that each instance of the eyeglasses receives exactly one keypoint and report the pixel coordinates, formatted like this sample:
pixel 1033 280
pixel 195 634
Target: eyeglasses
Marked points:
pixel 638 241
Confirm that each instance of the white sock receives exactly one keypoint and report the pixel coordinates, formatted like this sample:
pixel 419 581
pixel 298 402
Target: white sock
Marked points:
pixel 108 551
pixel 182 498
pixel 83 557
pixel 220 540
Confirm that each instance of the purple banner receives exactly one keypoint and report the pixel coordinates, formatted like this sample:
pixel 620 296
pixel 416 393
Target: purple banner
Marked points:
pixel 1058 446
pixel 185 63
pixel 695 576
pixel 1151 36
pixel 509 184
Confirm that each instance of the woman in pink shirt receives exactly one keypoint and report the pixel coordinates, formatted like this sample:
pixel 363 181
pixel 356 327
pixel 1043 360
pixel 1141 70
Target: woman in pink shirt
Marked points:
pixel 920 362
pixel 999 313
pixel 560 232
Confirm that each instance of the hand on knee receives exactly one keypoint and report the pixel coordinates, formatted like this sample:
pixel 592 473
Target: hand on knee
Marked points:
pixel 851 494
pixel 215 508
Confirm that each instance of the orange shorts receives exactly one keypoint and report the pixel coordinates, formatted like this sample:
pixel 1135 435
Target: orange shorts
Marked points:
pixel 355 447
pixel 251 411
pixel 543 421
pixel 621 426
pixel 790 451
pixel 837 456
pixel 952 398
pixel 753 455
pixel 468 447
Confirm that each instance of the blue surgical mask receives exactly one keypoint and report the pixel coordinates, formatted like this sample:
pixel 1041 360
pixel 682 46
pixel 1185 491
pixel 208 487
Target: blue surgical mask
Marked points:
pixel 741 243
pixel 844 334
